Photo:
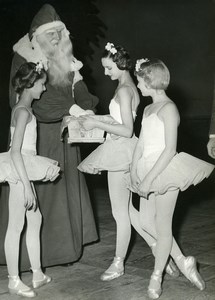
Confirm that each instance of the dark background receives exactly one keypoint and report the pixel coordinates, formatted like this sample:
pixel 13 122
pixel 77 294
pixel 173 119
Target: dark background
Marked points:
pixel 181 33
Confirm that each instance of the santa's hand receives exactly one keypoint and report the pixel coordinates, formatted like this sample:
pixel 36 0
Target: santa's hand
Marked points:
pixel 211 147
pixel 76 65
pixel 67 120
pixel 89 112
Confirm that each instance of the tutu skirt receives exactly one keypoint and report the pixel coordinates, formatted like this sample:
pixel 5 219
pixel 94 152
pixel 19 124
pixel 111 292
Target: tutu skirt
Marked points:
pixel 37 168
pixel 183 171
pixel 114 155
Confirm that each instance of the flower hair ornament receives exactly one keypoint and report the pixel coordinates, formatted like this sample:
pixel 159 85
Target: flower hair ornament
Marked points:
pixel 39 67
pixel 111 48
pixel 139 62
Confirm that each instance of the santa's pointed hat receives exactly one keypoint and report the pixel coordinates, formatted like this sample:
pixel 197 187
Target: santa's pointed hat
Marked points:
pixel 45 19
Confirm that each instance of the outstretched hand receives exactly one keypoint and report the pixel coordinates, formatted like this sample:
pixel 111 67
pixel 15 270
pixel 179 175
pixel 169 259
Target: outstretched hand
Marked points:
pixel 87 122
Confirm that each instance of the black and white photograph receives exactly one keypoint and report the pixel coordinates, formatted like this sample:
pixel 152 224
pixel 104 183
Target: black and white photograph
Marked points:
pixel 107 149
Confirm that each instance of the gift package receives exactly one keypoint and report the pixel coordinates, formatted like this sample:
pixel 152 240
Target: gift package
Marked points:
pixel 77 134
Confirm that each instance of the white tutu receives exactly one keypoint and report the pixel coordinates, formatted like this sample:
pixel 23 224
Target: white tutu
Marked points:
pixel 114 155
pixel 37 168
pixel 183 171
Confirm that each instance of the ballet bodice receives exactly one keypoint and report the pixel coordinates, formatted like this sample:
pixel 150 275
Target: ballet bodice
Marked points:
pixel 30 135
pixel 153 134
pixel 115 112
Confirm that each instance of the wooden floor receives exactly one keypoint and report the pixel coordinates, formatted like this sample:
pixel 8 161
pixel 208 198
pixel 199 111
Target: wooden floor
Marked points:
pixel 194 227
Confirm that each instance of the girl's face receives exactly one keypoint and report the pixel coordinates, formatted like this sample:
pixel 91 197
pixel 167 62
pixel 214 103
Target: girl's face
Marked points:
pixel 39 87
pixel 142 86
pixel 111 68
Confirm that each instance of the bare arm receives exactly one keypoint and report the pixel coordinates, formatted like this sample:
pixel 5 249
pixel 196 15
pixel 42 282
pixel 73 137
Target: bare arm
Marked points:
pixel 124 98
pixel 135 180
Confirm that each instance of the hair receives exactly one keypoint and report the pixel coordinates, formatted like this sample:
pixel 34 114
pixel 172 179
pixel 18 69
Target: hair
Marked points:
pixel 155 73
pixel 26 76
pixel 121 57
pixel 59 59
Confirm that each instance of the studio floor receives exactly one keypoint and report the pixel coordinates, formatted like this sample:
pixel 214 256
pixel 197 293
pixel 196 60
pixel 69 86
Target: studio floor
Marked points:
pixel 194 227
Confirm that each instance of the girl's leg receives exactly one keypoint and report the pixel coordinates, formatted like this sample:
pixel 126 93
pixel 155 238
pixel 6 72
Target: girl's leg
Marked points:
pixel 136 221
pixel 12 240
pixel 119 197
pixel 140 225
pixel 165 205
pixel 143 222
pixel 15 226
pixel 34 221
pixel 187 265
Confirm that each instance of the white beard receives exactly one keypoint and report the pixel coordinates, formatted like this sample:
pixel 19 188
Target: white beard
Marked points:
pixel 59 61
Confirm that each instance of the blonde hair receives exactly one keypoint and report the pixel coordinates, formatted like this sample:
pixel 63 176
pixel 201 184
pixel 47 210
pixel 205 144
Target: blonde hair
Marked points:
pixel 155 73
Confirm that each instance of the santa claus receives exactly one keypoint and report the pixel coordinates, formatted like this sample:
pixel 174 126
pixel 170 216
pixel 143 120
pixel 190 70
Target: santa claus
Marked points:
pixel 68 221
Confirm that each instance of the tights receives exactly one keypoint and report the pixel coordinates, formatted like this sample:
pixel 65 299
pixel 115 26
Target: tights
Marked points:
pixel 17 214
pixel 154 223
pixel 120 197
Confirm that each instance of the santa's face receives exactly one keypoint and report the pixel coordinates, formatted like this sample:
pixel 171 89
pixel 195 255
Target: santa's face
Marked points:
pixel 57 47
pixel 49 39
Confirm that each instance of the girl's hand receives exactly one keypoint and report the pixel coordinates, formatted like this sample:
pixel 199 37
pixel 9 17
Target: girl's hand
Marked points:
pixel 30 198
pixel 135 181
pixel 87 123
pixel 144 187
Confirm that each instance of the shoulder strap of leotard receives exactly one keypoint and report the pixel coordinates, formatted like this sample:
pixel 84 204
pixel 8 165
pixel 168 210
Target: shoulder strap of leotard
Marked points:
pixel 17 107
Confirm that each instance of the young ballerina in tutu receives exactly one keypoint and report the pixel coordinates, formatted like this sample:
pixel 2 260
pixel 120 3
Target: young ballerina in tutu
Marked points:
pixel 19 167
pixel 158 173
pixel 116 153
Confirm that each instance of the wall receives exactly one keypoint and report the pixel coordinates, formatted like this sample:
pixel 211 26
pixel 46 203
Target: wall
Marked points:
pixel 181 33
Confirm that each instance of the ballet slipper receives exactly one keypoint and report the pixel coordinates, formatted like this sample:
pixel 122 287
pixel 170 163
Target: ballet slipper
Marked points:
pixel 38 283
pixel 156 277
pixel 115 270
pixel 17 287
pixel 191 273
pixel 40 280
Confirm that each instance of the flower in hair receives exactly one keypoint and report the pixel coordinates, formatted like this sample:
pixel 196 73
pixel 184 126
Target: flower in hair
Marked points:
pixel 111 48
pixel 139 62
pixel 39 67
